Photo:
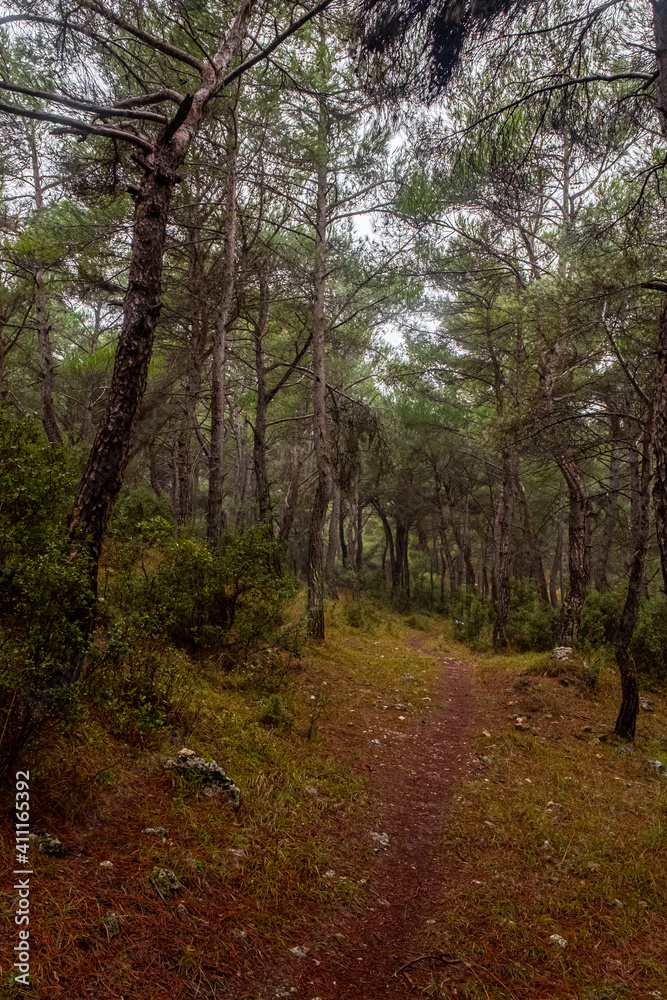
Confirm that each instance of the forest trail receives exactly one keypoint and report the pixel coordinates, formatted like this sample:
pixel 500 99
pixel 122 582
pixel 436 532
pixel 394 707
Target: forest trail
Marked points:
pixel 360 955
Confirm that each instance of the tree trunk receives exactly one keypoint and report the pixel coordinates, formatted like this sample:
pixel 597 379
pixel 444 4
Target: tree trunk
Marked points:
pixel 567 626
pixel 108 459
pixel 47 371
pixel 660 441
pixel 641 529
pixel 332 547
pixel 292 499
pixel 611 504
pixel 533 549
pixel 556 566
pixel 502 539
pixel 187 464
pixel 215 522
pixel 323 459
pixel 259 427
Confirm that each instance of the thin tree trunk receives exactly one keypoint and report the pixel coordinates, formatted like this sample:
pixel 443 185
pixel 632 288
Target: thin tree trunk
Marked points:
pixel 332 548
pixel 533 548
pixel 259 427
pixel 215 522
pixel 47 371
pixel 626 722
pixel 610 507
pixel 292 499
pixel 502 539
pixel 567 626
pixel 323 459
pixel 556 566
pixel 197 342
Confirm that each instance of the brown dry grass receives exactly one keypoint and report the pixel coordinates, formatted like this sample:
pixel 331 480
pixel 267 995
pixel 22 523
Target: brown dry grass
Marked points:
pixel 259 871
pixel 563 832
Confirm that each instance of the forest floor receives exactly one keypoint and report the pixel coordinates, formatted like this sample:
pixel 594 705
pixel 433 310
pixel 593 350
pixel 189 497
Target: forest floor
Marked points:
pixel 398 836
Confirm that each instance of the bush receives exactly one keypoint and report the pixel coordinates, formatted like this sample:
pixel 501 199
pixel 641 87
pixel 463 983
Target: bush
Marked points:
pixel 135 509
pixel 471 617
pixel 362 614
pixel 649 642
pixel 45 596
pixel 233 603
pixel 601 617
pixel 529 626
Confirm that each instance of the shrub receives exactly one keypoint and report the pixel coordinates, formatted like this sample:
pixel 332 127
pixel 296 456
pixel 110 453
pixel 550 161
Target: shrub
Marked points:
pixel 233 603
pixel 134 509
pixel 649 642
pixel 601 617
pixel 471 616
pixel 275 714
pixel 45 597
pixel 529 626
pixel 361 614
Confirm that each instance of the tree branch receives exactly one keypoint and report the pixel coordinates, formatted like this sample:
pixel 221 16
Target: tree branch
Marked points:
pixel 83 105
pixel 106 130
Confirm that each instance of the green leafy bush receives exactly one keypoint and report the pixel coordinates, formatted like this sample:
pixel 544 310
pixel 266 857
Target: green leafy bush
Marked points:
pixel 529 626
pixel 45 596
pixel 471 617
pixel 232 604
pixel 649 642
pixel 601 617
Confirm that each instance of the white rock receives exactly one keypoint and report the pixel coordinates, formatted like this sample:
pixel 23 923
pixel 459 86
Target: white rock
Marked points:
pixel 382 838
pixel 299 952
pixel 558 940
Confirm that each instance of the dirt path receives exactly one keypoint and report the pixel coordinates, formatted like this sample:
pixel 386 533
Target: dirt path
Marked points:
pixel 413 793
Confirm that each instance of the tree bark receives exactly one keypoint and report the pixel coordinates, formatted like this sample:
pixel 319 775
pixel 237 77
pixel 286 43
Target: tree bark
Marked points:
pixel 603 550
pixel 533 548
pixel 259 427
pixel 502 539
pixel 323 459
pixel 332 548
pixel 567 626
pixel 108 459
pixel 626 722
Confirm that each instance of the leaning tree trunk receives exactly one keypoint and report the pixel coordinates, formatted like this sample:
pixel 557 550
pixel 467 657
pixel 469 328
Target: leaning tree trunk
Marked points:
pixel 323 459
pixel 103 476
pixel 641 529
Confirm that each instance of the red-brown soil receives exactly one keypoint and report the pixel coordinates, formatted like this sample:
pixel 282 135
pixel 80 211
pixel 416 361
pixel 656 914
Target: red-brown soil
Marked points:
pixel 360 956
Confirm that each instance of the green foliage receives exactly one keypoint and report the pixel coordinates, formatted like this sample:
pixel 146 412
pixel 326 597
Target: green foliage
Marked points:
pixel 471 618
pixel 361 614
pixel 139 684
pixel 649 642
pixel 529 627
pixel 275 714
pixel 45 596
pixel 601 617
pixel 232 604
pixel 136 514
